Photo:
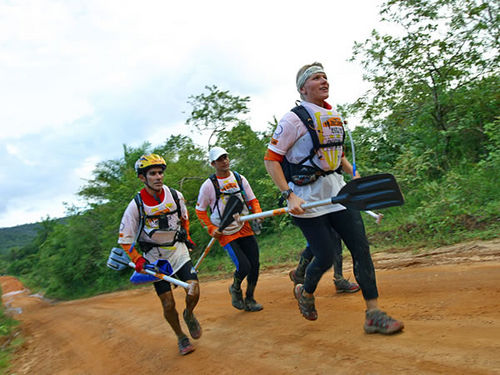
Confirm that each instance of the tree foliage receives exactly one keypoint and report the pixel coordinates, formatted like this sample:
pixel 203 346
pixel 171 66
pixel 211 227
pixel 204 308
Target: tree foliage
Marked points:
pixel 216 110
pixel 426 76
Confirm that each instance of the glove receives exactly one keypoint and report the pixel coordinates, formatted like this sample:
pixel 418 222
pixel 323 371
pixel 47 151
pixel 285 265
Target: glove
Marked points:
pixel 139 264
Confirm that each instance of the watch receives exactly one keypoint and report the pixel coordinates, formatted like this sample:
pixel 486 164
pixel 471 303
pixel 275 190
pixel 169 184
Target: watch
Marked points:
pixel 286 194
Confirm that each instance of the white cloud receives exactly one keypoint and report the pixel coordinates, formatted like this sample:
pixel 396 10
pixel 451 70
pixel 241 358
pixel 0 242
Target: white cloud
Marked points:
pixel 82 78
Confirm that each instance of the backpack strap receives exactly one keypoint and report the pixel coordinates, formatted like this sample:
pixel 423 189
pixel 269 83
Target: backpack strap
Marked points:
pixel 306 119
pixel 213 178
pixel 142 218
pixel 176 200
pixel 218 193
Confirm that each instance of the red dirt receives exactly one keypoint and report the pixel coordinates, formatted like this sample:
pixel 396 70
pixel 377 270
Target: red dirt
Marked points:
pixel 448 298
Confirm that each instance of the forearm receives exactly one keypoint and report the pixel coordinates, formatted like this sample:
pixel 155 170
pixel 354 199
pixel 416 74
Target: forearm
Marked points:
pixel 205 221
pixel 276 172
pixel 347 167
pixel 185 225
pixel 255 205
pixel 131 251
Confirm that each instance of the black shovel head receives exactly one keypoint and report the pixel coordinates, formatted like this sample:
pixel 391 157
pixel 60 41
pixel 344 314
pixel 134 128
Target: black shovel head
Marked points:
pixel 371 193
pixel 234 205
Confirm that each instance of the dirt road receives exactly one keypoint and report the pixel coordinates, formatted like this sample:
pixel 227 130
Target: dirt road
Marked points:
pixel 449 300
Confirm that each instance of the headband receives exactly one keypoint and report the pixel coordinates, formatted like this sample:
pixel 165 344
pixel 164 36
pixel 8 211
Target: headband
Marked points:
pixel 308 73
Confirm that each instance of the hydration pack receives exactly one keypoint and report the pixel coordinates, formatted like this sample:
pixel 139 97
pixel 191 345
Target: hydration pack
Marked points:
pixel 301 174
pixel 218 193
pixel 180 236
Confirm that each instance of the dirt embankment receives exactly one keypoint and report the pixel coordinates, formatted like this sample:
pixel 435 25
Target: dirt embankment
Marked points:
pixel 448 298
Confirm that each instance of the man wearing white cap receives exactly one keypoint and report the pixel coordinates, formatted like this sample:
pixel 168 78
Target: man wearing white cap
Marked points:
pixel 238 238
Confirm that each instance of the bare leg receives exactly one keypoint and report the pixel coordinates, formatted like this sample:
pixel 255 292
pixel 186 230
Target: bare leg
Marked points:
pixel 192 300
pixel 170 313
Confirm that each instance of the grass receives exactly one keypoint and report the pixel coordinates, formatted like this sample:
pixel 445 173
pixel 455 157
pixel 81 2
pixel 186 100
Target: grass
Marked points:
pixel 10 339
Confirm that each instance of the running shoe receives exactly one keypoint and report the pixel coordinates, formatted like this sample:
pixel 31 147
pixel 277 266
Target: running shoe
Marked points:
pixel 306 304
pixel 252 305
pixel 236 298
pixel 185 346
pixel 378 321
pixel 295 278
pixel 192 324
pixel 345 286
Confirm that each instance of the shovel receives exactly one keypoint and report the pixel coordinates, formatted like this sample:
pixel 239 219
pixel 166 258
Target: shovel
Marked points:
pixel 365 193
pixel 234 205
pixel 119 260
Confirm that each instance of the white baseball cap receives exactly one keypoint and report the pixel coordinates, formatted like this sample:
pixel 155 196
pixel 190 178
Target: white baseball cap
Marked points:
pixel 215 153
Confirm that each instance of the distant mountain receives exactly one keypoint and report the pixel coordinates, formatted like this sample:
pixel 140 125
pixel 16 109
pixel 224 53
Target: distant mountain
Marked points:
pixel 17 236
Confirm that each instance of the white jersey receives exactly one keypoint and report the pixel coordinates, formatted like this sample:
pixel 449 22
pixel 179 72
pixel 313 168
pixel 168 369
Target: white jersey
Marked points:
pixel 177 254
pixel 207 197
pixel 292 140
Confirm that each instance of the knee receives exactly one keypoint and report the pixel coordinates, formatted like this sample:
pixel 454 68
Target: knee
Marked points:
pixel 195 288
pixel 318 268
pixel 168 305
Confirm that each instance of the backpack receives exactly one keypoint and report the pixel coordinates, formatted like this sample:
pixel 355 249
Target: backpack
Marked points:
pixel 301 174
pixel 256 226
pixel 218 193
pixel 181 234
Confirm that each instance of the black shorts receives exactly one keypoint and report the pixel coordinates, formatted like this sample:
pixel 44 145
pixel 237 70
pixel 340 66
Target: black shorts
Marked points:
pixel 186 272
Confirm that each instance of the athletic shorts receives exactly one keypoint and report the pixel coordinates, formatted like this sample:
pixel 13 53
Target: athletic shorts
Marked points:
pixel 187 272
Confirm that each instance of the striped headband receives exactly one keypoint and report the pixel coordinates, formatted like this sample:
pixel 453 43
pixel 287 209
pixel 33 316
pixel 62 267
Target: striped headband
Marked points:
pixel 308 73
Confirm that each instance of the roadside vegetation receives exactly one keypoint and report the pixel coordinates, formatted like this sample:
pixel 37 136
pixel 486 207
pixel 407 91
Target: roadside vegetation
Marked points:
pixel 9 338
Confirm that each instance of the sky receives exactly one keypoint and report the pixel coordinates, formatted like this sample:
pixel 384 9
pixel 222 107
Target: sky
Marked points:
pixel 80 79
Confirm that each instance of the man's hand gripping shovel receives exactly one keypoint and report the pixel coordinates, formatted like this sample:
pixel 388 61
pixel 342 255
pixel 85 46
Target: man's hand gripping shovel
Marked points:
pixel 234 206
pixel 118 260
pixel 365 193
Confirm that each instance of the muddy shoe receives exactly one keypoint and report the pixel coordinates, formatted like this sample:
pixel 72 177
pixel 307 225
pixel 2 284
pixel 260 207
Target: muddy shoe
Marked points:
pixel 306 304
pixel 378 321
pixel 185 346
pixel 295 278
pixel 252 305
pixel 192 324
pixel 236 298
pixel 345 286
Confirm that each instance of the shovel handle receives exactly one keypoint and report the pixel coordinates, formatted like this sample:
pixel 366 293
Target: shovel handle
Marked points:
pixel 170 279
pixel 284 210
pixel 207 249
pixel 377 217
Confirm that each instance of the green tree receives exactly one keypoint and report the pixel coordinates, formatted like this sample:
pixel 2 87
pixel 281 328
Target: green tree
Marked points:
pixel 441 51
pixel 216 111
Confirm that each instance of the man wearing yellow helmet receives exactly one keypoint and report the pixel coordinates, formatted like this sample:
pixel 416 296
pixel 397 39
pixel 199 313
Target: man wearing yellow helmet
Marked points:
pixel 157 219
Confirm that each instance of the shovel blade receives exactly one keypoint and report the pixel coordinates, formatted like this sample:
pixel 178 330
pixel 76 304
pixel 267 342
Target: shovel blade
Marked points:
pixel 371 193
pixel 114 265
pixel 234 205
pixel 118 259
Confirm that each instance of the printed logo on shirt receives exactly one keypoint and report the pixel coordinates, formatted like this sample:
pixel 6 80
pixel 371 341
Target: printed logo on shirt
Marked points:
pixel 278 131
pixel 332 121
pixel 158 211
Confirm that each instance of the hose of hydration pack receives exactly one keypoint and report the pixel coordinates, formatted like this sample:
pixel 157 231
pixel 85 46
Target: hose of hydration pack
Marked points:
pixel 378 217
pixel 353 153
